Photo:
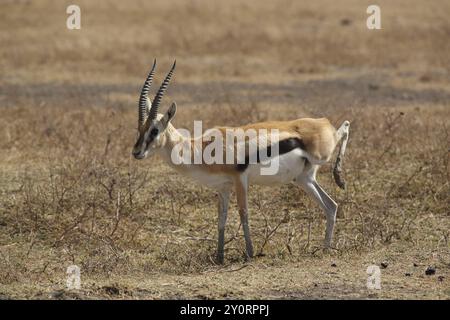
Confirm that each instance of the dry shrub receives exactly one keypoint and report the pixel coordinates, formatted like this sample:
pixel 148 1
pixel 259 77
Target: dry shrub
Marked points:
pixel 86 202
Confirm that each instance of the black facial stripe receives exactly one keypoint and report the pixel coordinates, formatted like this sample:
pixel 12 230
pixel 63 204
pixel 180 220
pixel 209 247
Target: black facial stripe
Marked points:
pixel 149 140
pixel 285 146
pixel 139 142
pixel 151 136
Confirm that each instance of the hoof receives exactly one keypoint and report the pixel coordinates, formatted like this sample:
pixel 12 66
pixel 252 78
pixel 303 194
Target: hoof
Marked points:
pixel 219 259
pixel 248 256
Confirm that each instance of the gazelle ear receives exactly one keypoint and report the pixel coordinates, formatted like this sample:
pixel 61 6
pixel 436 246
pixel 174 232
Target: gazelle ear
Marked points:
pixel 169 114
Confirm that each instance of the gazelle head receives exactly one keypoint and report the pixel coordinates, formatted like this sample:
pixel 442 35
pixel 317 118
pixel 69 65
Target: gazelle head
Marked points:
pixel 151 124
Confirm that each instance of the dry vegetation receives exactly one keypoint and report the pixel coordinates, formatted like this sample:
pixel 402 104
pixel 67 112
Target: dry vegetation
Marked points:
pixel 71 194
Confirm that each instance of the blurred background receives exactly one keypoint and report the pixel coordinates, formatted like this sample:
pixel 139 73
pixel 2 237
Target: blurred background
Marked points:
pixel 245 42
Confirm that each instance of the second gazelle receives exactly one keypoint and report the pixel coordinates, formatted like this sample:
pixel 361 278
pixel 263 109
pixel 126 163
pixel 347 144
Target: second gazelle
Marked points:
pixel 298 148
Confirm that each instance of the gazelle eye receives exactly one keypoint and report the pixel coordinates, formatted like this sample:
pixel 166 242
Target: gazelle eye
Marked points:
pixel 154 132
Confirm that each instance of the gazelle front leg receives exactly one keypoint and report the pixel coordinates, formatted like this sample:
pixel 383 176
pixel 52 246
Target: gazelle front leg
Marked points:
pixel 241 184
pixel 224 197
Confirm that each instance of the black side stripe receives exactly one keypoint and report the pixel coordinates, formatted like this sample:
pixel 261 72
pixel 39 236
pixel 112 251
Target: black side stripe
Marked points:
pixel 285 146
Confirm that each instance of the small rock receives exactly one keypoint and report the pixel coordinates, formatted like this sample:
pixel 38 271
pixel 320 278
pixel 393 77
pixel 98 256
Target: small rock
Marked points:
pixel 346 22
pixel 334 264
pixel 384 265
pixel 425 78
pixel 408 274
pixel 58 294
pixel 441 278
pixel 415 264
pixel 430 271
pixel 111 290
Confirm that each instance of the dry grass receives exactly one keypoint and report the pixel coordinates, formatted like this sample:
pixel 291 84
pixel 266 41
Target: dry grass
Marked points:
pixel 71 194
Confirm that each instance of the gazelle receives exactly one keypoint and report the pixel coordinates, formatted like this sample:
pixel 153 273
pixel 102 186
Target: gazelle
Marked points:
pixel 303 145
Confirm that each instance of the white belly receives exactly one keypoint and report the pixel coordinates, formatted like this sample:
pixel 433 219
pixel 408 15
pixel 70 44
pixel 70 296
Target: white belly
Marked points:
pixel 215 181
pixel 290 165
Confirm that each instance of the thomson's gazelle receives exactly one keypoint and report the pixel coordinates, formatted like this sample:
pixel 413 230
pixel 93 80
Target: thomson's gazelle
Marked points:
pixel 302 145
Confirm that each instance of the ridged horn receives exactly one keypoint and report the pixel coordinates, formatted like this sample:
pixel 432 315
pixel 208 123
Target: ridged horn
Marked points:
pixel 159 95
pixel 143 103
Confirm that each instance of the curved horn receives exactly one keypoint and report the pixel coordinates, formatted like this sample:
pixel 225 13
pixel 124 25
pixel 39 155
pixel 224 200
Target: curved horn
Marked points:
pixel 160 93
pixel 143 104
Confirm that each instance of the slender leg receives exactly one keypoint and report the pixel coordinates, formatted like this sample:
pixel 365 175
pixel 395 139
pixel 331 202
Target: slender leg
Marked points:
pixel 241 194
pixel 310 185
pixel 325 197
pixel 224 197
pixel 331 213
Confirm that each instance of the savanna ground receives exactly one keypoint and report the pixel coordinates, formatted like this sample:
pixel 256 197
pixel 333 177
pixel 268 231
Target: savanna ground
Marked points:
pixel 70 193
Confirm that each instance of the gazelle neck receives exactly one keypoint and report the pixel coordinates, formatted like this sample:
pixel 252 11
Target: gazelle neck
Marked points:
pixel 172 138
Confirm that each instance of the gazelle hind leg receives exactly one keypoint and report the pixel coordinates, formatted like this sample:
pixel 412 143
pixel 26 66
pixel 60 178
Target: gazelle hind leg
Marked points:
pixel 329 206
pixel 325 197
pixel 331 213
pixel 224 196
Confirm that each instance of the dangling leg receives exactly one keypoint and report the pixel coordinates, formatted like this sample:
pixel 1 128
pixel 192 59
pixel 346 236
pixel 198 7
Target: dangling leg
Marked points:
pixel 241 184
pixel 224 197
